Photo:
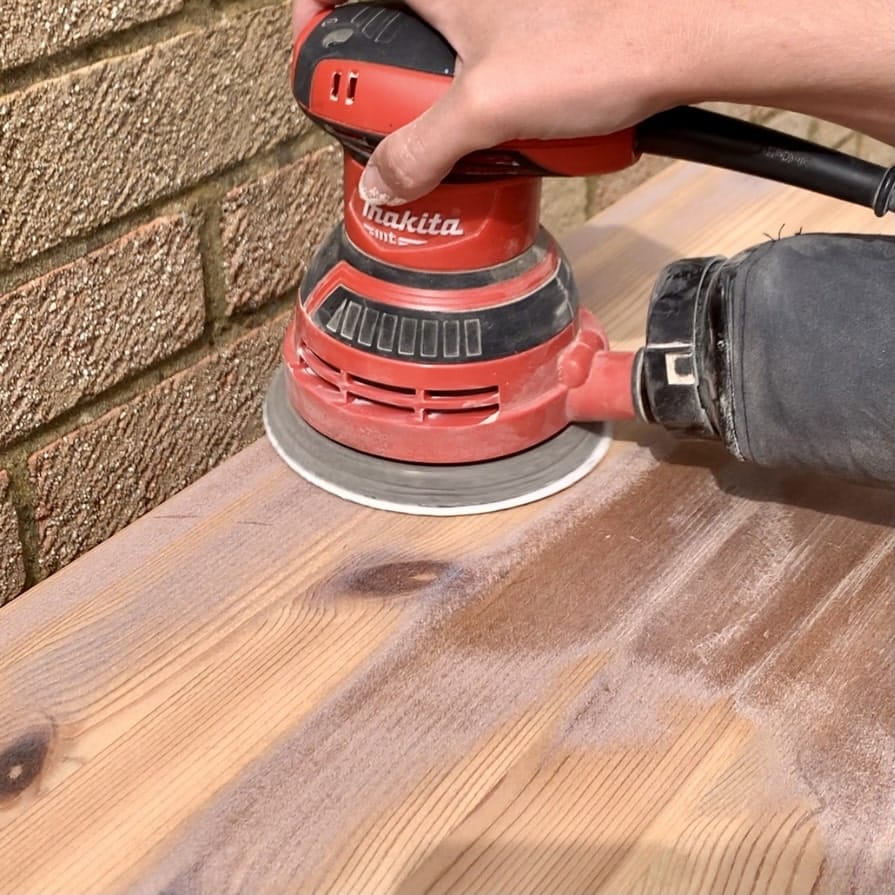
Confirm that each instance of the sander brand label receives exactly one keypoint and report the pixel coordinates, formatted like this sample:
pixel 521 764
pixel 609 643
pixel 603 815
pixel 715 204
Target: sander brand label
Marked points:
pixel 392 223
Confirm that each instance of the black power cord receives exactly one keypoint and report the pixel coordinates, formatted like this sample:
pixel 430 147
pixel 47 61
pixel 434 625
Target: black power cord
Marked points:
pixel 698 135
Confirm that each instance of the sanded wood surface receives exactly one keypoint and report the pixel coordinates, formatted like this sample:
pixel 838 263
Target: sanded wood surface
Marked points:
pixel 674 678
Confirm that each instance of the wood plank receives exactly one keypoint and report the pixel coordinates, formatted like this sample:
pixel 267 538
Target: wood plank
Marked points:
pixel 675 677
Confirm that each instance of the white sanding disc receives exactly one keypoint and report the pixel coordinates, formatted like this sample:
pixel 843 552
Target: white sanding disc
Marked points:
pixel 426 489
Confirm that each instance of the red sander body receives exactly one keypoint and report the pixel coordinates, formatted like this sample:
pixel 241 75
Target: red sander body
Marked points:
pixel 438 360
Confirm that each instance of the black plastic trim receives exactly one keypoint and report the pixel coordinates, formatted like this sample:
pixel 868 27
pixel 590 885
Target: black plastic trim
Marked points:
pixel 338 247
pixel 448 337
pixel 381 33
pixel 678 387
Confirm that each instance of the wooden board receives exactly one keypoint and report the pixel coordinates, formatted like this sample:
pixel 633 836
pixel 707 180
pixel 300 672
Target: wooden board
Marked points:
pixel 675 677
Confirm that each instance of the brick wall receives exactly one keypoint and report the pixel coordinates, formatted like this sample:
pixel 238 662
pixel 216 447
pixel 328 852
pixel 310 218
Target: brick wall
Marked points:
pixel 160 196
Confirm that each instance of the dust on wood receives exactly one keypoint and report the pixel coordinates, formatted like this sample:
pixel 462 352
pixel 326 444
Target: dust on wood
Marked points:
pixel 676 677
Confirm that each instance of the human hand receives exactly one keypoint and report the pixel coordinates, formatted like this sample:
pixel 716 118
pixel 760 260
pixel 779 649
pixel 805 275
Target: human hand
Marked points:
pixel 525 70
pixel 574 68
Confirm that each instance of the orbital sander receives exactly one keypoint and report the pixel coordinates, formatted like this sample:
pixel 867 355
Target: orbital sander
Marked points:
pixel 438 360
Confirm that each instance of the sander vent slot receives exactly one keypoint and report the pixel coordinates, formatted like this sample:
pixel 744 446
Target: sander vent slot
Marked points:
pixel 402 400
pixel 469 401
pixel 397 389
pixel 490 391
pixel 469 415
pixel 319 368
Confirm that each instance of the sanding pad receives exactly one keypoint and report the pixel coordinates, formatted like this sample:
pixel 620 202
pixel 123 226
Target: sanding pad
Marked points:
pixel 431 490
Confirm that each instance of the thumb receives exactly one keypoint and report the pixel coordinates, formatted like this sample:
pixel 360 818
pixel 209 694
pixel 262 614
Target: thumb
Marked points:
pixel 413 160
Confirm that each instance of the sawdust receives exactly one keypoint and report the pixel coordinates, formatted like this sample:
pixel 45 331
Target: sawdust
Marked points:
pixel 633 704
pixel 850 779
pixel 487 634
pixel 392 727
pixel 392 723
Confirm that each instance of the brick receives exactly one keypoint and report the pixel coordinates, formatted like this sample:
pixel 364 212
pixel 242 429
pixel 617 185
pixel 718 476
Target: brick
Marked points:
pixel 94 481
pixel 270 228
pixel 12 570
pixel 40 28
pixel 563 204
pixel 83 149
pixel 85 327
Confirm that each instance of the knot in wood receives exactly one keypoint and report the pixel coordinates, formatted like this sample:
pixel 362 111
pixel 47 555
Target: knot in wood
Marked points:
pixel 22 761
pixel 396 578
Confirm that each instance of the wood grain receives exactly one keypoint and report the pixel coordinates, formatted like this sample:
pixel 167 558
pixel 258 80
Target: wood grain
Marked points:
pixel 676 677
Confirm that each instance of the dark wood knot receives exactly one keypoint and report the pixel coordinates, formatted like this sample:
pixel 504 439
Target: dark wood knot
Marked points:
pixel 395 578
pixel 22 761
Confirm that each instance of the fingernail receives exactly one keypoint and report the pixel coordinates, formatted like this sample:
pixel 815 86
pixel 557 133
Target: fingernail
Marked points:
pixel 373 190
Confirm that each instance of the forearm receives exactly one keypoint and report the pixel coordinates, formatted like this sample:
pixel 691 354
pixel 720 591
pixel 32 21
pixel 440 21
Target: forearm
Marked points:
pixel 833 61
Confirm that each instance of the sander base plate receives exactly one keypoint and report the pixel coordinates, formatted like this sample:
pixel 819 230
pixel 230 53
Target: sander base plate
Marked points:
pixel 427 489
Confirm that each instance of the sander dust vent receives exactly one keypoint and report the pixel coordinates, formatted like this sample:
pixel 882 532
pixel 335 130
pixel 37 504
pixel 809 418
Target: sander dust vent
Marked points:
pixel 423 404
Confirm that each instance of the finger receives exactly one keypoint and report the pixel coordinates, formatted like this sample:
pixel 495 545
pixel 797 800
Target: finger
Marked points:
pixel 414 159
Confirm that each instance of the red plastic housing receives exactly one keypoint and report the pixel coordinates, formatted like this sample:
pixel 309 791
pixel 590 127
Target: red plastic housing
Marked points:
pixel 447 418
pixel 410 265
pixel 449 412
pixel 457 227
